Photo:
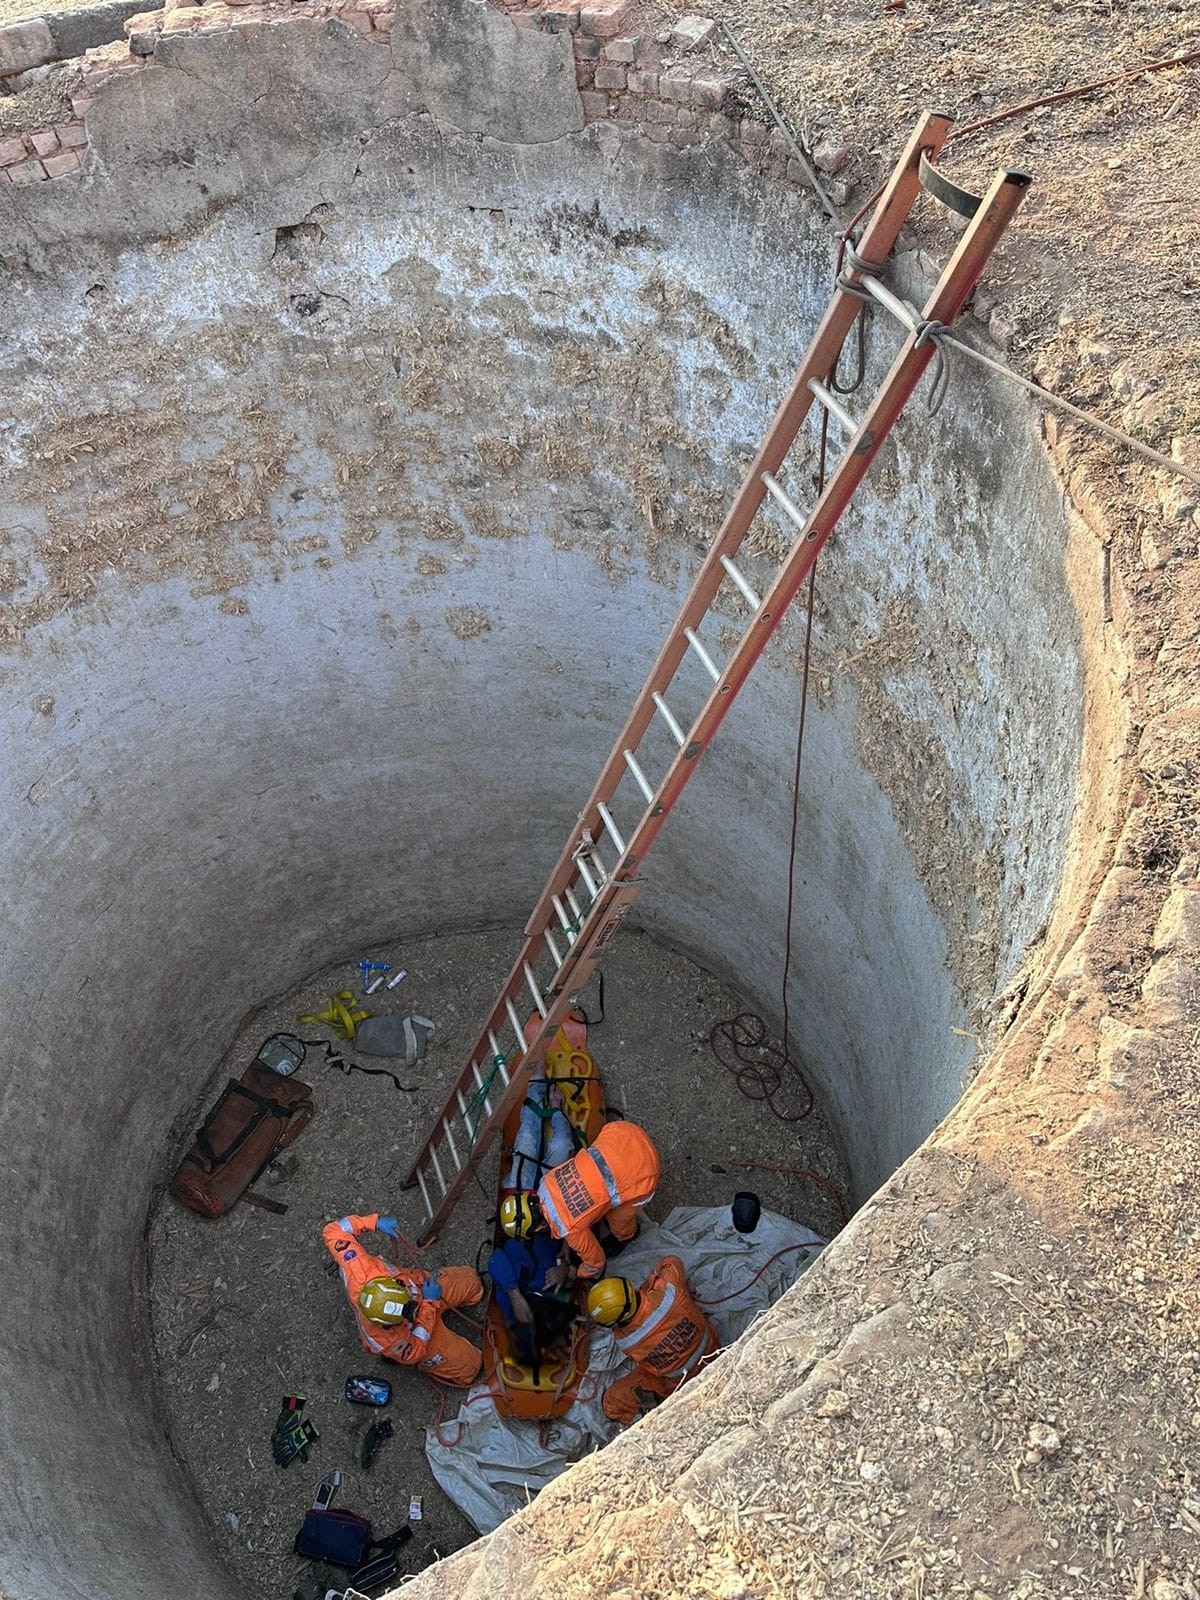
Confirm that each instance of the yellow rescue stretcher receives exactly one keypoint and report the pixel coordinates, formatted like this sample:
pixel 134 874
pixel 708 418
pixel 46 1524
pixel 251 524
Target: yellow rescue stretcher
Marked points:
pixel 547 1390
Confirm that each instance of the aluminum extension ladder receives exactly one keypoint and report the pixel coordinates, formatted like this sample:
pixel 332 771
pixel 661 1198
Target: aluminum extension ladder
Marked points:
pixel 589 893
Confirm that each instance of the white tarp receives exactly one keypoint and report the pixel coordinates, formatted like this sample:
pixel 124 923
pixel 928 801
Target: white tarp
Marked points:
pixel 491 1467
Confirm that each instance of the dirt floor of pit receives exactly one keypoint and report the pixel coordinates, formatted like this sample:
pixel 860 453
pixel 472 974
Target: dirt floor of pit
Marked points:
pixel 249 1308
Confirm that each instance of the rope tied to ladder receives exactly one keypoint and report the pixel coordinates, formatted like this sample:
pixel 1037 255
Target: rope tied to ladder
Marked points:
pixel 478 1100
pixel 925 330
pixel 930 331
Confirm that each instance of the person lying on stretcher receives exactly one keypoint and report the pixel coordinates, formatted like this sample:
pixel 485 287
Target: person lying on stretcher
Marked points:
pixel 526 1273
pixel 544 1138
pixel 526 1269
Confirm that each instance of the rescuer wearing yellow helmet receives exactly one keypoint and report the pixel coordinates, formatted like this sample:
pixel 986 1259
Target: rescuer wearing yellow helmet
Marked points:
pixel 399 1310
pixel 659 1327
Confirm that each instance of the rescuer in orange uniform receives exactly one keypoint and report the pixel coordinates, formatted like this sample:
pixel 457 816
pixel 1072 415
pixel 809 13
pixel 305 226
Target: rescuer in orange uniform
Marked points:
pixel 659 1327
pixel 399 1309
pixel 615 1176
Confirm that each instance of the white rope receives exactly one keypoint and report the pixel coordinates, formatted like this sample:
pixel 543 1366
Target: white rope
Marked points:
pixel 1056 401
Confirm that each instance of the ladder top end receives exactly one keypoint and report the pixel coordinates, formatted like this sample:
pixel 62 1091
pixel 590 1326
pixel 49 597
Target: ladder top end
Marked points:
pixel 1019 179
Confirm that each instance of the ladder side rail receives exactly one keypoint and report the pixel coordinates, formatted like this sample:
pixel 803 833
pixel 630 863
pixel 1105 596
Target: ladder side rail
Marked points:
pixel 943 305
pixel 875 245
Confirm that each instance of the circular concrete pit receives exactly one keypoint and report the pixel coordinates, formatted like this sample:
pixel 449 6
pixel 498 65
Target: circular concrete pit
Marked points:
pixel 354 470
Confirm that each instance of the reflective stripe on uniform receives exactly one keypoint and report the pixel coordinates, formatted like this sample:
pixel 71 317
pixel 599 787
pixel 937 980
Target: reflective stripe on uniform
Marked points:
pixel 707 1345
pixel 605 1171
pixel 420 1333
pixel 372 1344
pixel 344 1225
pixel 553 1216
pixel 639 1334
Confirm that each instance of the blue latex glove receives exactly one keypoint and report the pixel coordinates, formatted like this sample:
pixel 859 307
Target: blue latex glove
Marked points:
pixel 431 1289
pixel 388 1225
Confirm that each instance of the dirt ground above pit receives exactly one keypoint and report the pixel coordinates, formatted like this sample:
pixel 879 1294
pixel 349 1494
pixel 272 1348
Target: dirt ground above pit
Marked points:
pixel 249 1308
pixel 1108 241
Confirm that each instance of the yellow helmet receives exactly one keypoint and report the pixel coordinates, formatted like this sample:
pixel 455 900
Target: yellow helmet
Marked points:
pixel 516 1214
pixel 385 1301
pixel 612 1301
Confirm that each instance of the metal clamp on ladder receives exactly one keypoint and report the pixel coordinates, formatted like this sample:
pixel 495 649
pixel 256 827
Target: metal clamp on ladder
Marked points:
pixel 587 897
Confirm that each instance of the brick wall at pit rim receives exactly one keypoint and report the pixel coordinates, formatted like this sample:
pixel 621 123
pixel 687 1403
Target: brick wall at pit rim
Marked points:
pixel 662 76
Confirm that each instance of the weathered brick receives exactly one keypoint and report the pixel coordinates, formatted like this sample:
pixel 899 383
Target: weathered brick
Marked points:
pixel 643 83
pixel 689 33
pixel 12 150
pixel 602 19
pixel 27 172
pixel 586 49
pixel 584 74
pixel 561 16
pixel 685 118
pixel 655 111
pixel 81 104
pixel 385 20
pixel 709 90
pixel 24 45
pixel 353 19
pixel 752 135
pixel 44 141
pixel 622 50
pixel 73 135
pixel 595 105
pixel 610 76
pixel 657 132
pixel 676 84
pixel 65 161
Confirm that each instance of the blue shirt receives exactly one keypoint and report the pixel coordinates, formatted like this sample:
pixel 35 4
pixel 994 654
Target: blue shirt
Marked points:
pixel 521 1264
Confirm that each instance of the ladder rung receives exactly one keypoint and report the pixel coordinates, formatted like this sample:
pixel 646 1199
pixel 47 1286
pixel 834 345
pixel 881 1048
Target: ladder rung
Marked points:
pixel 437 1167
pixel 533 989
pixel 639 776
pixel 563 918
pixel 668 717
pixel 833 405
pixel 516 1022
pixel 581 863
pixel 425 1192
pixel 573 903
pixel 903 313
pixel 498 1057
pixel 552 947
pixel 710 666
pixel 465 1114
pixel 487 1102
pixel 449 1132
pixel 751 597
pixel 785 503
pixel 614 833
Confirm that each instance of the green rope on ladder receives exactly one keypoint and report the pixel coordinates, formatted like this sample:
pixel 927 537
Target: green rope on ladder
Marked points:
pixel 476 1102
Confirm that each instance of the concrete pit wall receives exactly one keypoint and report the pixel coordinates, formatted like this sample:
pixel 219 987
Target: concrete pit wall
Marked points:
pixel 356 465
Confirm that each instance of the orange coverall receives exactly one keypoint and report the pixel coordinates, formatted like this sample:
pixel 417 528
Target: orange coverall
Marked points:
pixel 612 1178
pixel 427 1342
pixel 667 1337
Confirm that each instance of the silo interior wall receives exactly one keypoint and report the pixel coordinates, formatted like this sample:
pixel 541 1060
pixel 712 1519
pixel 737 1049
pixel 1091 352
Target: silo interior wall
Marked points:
pixel 345 526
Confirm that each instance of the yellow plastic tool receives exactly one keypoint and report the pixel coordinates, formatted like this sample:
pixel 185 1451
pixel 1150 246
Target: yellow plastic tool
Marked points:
pixel 343 1014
